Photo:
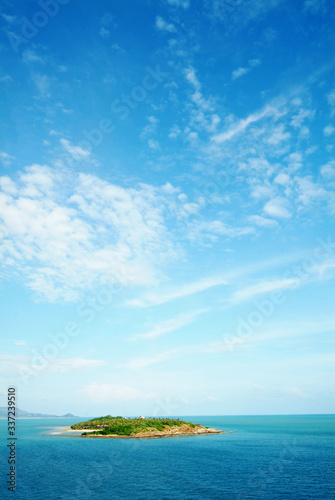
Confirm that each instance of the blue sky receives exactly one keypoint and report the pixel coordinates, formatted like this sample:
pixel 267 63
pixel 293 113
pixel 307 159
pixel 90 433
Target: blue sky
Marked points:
pixel 167 206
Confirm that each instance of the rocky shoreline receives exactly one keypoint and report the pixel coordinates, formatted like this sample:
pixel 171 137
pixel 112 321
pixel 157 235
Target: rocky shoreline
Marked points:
pixel 145 435
pixel 157 434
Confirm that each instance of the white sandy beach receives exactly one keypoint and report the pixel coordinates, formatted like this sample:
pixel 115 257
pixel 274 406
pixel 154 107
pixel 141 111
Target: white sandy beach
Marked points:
pixel 58 431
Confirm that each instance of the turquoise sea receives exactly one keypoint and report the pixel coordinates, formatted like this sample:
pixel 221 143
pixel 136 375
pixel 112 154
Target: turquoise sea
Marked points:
pixel 267 457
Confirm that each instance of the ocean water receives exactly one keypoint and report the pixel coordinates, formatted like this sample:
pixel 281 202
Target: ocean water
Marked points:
pixel 271 457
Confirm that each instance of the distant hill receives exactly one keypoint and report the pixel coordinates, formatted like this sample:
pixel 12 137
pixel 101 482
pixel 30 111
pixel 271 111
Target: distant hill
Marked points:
pixel 27 414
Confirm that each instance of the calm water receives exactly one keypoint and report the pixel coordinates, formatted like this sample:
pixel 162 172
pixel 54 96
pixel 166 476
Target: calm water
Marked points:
pixel 290 457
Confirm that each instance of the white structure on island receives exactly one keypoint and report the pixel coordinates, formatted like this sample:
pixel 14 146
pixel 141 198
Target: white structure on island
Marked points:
pixel 142 418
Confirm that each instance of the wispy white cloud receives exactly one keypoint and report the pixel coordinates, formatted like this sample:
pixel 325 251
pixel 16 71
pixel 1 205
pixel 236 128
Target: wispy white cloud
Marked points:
pixel 315 6
pixel 308 191
pixel 258 220
pixel 301 116
pixel 6 78
pixel 65 234
pixel 278 207
pixel 281 332
pixel 295 161
pixel 286 392
pixel 63 108
pixel 162 25
pixel 103 392
pixel 146 361
pixel 208 232
pixel 319 271
pixel 197 96
pixel 331 101
pixel 253 63
pixel 328 170
pixel 266 148
pixel 264 287
pixel 5 158
pixel 9 18
pixel 179 3
pixel 282 179
pixel 43 83
pixel 278 135
pixel 212 398
pixel 77 152
pixel 174 132
pixel 29 56
pixel 241 71
pixel 182 291
pixel 151 128
pixel 33 365
pixel 295 331
pixel 149 131
pixel 72 364
pixel 237 73
pixel 325 266
pixel 329 130
pixel 296 392
pixel 7 185
pixel 104 33
pixel 242 125
pixel 107 19
pixel 170 325
pixel 153 144
pixel 238 13
pixel 262 191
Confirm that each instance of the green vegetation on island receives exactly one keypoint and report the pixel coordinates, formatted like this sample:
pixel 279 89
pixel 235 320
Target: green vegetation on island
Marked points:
pixel 140 427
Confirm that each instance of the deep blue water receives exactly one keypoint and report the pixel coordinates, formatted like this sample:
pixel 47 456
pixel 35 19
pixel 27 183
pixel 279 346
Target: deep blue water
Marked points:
pixel 272 457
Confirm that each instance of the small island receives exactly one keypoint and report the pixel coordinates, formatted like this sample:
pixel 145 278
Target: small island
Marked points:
pixel 141 427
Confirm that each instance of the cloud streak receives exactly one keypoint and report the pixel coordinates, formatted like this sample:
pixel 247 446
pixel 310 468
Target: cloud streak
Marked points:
pixel 264 287
pixel 183 291
pixel 242 125
pixel 170 325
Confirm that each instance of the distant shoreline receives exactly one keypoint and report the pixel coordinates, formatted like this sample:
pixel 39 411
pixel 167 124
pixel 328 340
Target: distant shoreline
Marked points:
pixel 35 418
